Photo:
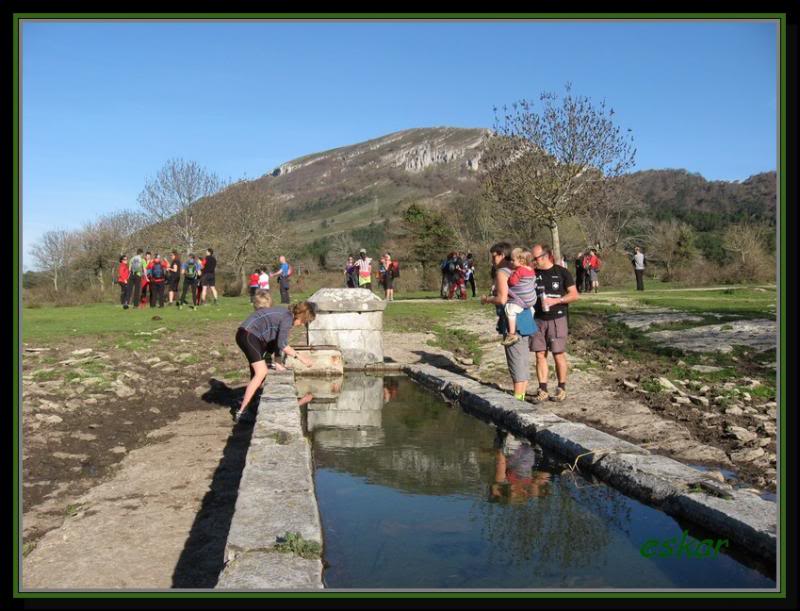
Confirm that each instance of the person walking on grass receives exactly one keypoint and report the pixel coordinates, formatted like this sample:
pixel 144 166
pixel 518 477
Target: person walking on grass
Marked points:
pixel 123 277
pixel 136 267
pixel 252 282
pixel 157 278
pixel 191 271
pixel 350 273
pixel 639 262
pixel 147 290
pixel 594 267
pixel 364 266
pixel 557 289
pixel 469 267
pixel 173 277
pixel 208 279
pixel 517 355
pixel 391 271
pixel 266 331
pixel 283 273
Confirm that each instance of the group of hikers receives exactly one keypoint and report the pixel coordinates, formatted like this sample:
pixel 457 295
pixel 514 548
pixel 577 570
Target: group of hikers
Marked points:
pixel 259 279
pixel 457 270
pixel 587 264
pixel 358 273
pixel 145 277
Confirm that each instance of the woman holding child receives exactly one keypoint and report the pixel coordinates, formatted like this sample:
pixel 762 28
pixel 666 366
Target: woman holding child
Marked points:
pixel 517 352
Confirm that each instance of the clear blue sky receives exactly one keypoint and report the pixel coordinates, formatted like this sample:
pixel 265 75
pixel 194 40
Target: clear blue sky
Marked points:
pixel 105 104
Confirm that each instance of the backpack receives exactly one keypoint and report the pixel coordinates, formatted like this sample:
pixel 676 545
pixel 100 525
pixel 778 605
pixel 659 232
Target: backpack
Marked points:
pixel 396 269
pixel 451 266
pixel 157 271
pixel 191 269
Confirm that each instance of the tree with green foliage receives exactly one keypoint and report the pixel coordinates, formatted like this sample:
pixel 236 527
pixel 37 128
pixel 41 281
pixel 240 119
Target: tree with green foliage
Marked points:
pixel 545 164
pixel 430 234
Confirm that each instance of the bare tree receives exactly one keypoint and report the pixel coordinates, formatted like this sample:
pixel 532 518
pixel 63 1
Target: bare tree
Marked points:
pixel 620 222
pixel 746 240
pixel 252 228
pixel 543 165
pixel 53 254
pixel 671 242
pixel 171 195
pixel 103 241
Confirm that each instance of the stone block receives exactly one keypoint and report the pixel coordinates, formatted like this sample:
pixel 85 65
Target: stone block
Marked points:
pixel 271 571
pixel 325 362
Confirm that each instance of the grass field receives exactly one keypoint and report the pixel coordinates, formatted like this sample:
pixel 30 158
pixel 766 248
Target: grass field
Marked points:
pixel 96 320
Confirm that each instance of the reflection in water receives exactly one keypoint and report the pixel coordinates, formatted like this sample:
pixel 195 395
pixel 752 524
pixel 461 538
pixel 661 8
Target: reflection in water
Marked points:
pixel 413 493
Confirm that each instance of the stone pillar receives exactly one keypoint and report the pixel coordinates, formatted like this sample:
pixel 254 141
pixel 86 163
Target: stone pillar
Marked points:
pixel 351 320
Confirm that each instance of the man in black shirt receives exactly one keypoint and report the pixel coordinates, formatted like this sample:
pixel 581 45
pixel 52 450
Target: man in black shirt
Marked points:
pixel 556 289
pixel 207 278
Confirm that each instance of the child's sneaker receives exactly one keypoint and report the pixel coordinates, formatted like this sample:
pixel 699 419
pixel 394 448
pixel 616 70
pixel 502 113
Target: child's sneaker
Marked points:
pixel 559 395
pixel 510 339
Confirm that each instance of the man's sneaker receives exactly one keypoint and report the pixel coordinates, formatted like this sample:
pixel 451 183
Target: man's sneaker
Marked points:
pixel 125 307
pixel 510 339
pixel 559 395
pixel 541 395
pixel 236 417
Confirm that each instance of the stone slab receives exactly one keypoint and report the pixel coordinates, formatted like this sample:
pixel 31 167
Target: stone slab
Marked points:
pixel 325 362
pixel 271 571
pixel 346 300
pixel 745 518
pixel 359 348
pixel 338 321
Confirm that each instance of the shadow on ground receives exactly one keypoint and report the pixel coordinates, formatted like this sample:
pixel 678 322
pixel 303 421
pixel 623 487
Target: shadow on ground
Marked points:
pixel 203 555
pixel 440 361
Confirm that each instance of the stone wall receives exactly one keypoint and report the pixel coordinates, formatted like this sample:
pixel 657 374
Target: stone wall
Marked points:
pixel 276 496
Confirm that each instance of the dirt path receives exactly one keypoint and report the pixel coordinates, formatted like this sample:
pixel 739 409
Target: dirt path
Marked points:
pixel 156 523
pixel 126 455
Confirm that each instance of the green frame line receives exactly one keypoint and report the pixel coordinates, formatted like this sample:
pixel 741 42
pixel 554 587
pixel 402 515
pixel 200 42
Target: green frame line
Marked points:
pixel 16 208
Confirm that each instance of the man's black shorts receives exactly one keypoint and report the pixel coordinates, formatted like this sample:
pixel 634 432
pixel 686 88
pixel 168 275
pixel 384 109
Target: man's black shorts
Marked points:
pixel 208 280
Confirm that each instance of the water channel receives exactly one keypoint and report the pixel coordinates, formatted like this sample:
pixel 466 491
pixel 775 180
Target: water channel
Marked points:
pixel 413 493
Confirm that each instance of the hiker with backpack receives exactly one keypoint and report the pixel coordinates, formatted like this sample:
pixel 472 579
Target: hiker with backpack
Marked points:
pixel 157 277
pixel 284 272
pixel 449 272
pixel 456 277
pixel 191 272
pixel 392 271
pixel 173 277
pixel 147 293
pixel 136 267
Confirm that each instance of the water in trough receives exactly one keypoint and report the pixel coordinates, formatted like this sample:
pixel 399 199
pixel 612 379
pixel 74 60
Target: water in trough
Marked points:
pixel 413 493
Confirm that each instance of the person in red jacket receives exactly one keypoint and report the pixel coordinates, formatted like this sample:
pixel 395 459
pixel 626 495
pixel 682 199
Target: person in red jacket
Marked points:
pixel 157 276
pixel 123 276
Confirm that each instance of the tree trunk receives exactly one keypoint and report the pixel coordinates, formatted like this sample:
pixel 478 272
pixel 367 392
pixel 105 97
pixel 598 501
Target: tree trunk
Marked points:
pixel 100 280
pixel 55 279
pixel 556 240
pixel 243 276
